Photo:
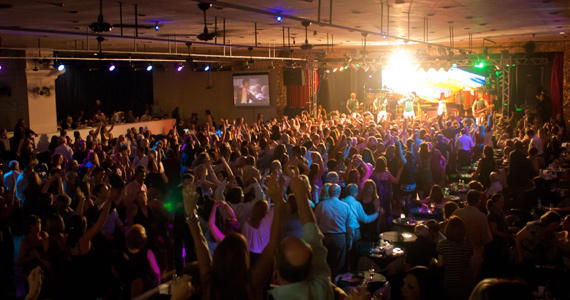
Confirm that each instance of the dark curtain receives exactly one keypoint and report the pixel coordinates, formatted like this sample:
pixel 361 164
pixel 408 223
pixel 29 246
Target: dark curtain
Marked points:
pixel 556 83
pixel 323 96
pixel 85 82
pixel 339 90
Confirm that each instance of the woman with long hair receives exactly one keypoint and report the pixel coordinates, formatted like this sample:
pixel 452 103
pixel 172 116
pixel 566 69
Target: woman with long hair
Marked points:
pixel 85 271
pixel 32 245
pixel 370 201
pixel 454 253
pixel 384 181
pixel 257 229
pixel 436 197
pixel 228 275
pixel 486 166
pixel 497 251
pixel 140 265
pixel 424 175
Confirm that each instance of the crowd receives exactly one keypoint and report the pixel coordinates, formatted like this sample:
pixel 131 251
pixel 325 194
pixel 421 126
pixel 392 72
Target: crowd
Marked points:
pixel 235 208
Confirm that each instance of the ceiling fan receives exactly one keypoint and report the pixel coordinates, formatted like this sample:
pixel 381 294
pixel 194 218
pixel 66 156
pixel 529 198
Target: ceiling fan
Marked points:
pixel 100 25
pixel 205 35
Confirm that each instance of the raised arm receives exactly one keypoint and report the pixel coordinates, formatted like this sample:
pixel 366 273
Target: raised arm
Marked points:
pixel 263 268
pixel 301 196
pixel 93 231
pixel 214 230
pixel 202 253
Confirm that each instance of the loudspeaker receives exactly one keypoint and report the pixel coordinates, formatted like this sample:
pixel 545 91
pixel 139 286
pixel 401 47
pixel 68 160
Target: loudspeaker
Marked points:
pixel 293 76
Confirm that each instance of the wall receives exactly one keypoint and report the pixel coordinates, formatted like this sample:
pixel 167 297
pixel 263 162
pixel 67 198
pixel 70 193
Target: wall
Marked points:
pixel 188 90
pixel 13 91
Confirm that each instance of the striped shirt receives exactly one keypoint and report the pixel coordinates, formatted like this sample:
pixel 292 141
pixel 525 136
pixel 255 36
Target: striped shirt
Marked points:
pixel 457 275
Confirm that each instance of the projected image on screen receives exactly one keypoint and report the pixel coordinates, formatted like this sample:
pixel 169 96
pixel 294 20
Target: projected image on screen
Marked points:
pixel 431 84
pixel 251 89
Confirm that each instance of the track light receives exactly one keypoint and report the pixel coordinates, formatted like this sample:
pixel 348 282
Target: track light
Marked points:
pixel 149 67
pixel 59 66
pixel 112 67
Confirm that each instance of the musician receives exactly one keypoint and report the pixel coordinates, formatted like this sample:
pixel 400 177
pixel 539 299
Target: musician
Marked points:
pixel 408 101
pixel 478 105
pixel 380 104
pixel 441 107
pixel 543 106
pixel 352 104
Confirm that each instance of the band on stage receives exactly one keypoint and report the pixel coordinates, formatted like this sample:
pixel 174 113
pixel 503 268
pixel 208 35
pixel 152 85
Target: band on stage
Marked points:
pixel 386 104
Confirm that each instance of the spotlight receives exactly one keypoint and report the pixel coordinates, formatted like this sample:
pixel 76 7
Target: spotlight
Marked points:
pixel 149 67
pixel 346 67
pixel 384 36
pixel 335 69
pixel 481 65
pixel 370 76
pixel 112 67
pixel 207 68
pixel 179 67
pixel 0 67
pixel 279 18
pixel 156 27
pixel 59 66
pixel 341 69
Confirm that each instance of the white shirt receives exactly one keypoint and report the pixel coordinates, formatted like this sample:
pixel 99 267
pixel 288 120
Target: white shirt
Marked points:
pixel 258 238
pixel 8 181
pixel 334 216
pixel 137 162
pixel 20 184
pixel 65 151
pixel 358 213
pixel 464 142
pixel 536 142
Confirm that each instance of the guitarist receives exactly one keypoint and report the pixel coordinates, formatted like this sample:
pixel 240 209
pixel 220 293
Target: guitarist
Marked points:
pixel 479 105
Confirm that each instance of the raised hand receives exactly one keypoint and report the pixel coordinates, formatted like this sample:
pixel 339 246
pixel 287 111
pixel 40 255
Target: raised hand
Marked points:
pixel 190 197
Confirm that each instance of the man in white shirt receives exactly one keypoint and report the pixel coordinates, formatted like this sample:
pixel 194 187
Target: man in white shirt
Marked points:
pixel 464 144
pixel 357 211
pixel 9 180
pixel 358 216
pixel 535 141
pixel 64 149
pixel 335 220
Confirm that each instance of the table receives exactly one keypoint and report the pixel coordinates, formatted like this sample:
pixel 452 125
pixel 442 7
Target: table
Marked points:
pixel 426 214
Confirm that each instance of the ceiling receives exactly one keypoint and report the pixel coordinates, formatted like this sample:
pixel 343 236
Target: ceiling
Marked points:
pixel 64 24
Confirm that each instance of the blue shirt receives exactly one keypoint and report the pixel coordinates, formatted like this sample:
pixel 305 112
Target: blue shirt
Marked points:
pixel 334 216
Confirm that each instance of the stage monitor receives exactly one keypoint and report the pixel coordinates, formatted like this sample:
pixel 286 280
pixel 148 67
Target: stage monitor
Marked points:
pixel 430 84
pixel 251 89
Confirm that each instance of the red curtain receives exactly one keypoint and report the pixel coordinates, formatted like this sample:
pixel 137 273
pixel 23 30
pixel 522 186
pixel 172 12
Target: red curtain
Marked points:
pixel 556 83
pixel 298 96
